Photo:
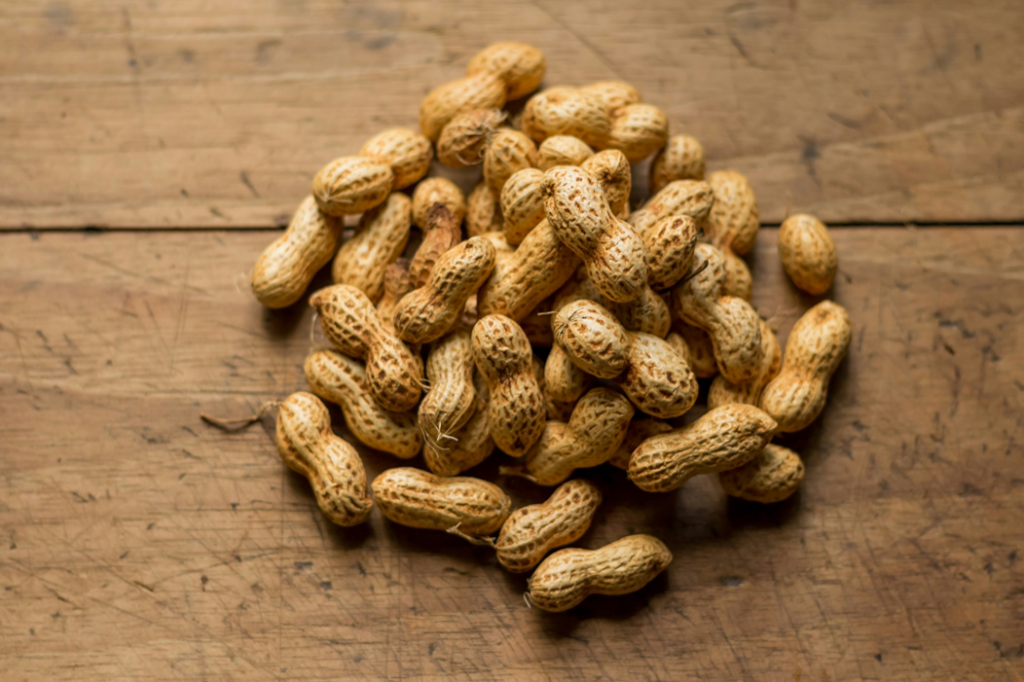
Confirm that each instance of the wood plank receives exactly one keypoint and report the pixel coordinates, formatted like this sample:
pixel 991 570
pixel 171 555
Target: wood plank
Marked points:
pixel 137 543
pixel 187 114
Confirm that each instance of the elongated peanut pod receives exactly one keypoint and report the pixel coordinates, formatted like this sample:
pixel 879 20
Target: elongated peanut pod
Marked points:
pixel 451 399
pixel 508 151
pixel 611 170
pixel 733 220
pixel 380 238
pixel 724 391
pixel 419 499
pixel 483 213
pixel 522 205
pixel 640 429
pixel 468 446
pixel 519 66
pixel 770 477
pixel 682 158
pixel 592 338
pixel 406 151
pixel 441 234
pixel 691 198
pixel 352 184
pixel 482 90
pixel 669 244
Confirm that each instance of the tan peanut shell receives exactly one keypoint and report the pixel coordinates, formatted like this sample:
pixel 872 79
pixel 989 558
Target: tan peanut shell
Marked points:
pixel 562 150
pixel 669 244
pixel 564 382
pixel 649 313
pixel 577 287
pixel 507 152
pixel 592 338
pixel 440 234
pixel 288 265
pixel 308 446
pixel 437 191
pixel 733 220
pixel 816 345
pixel 339 379
pixel 614 94
pixel 725 438
pixel 808 253
pixel 581 218
pixel 569 576
pixel 692 198
pixel 611 170
pixel 521 67
pixel 657 379
pixel 431 311
pixel 699 353
pixel 533 531
pixel 468 446
pixel 463 140
pixel 451 397
pixel 352 184
pixel 770 477
pixel 724 392
pixel 397 283
pixel 406 151
pixel 352 324
pixel 522 279
pixel 639 430
pixel 537 327
pixel 738 281
pixel 567 111
pixel 419 499
pixel 682 158
pixel 516 406
pixel 637 130
pixel 483 212
pixel 479 91
pixel 522 205
pixel 380 238
pixel 732 324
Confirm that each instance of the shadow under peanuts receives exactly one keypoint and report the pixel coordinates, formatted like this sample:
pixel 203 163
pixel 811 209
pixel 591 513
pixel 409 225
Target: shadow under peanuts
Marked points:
pixel 340 537
pixel 281 323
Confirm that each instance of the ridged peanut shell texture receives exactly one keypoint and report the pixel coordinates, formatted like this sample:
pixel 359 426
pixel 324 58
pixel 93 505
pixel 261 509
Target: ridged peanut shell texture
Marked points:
pixel 808 253
pixel 562 150
pixel 505 360
pixel 567 111
pixel 406 151
pixel 724 392
pixel 682 158
pixel 308 446
pixel 468 446
pixel 522 204
pixel 657 379
pixel 483 212
pixel 579 214
pixel 352 184
pixel 816 345
pixel 437 191
pixel 638 130
pixel 479 91
pixel 288 265
pixel 519 66
pixel 379 240
pixel 614 94
pixel 531 532
pixel 463 140
pixel 592 338
pixel 569 576
pixel 442 232
pixel 639 430
pixel 733 220
pixel 508 151
pixel 350 322
pixel 339 379
pixel 772 476
pixel 451 397
pixel 649 314
pixel 419 499
pixel 669 244
pixel 691 198
pixel 611 170
pixel 725 438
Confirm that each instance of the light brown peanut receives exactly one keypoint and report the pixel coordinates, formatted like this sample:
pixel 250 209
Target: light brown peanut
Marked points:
pixel 507 152
pixel 733 220
pixel 808 253
pixel 614 94
pixel 562 150
pixel 431 311
pixel 569 576
pixel 649 314
pixel 521 67
pixel 564 382
pixel 669 244
pixel 581 218
pixel 481 90
pixel 533 531
pixel 732 324
pixel 699 351
pixel 463 140
pixel 516 405
pixel 724 392
pixel 288 265
pixel 308 446
pixel 351 323
pixel 611 170
pixel 380 238
pixel 437 191
pixel 816 345
pixel 682 158
pixel 592 338
pixel 418 499
pixel 770 477
pixel 406 151
pixel 339 379
pixel 725 438
pixel 737 282
pixel 567 111
pixel 639 430
pixel 441 233
pixel 638 130
pixel 352 184
pixel 397 283
pixel 483 212
pixel 522 205
pixel 691 198
pixel 468 446
pixel 451 397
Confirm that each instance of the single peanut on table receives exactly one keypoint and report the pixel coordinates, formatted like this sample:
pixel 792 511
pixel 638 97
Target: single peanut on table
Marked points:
pixel 808 253
pixel 419 499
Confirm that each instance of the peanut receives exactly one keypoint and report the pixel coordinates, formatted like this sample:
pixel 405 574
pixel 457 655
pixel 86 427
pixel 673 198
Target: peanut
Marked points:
pixel 463 140
pixel 419 499
pixel 614 94
pixel 481 90
pixel 406 151
pixel 440 234
pixel 639 430
pixel 581 218
pixel 725 438
pixel 682 158
pixel 522 205
pixel 699 351
pixel 669 244
pixel 638 130
pixel 483 213
pixel 569 576
pixel 507 151
pixel 352 184
pixel 649 314
pixel 733 325
pixel 531 532
pixel 339 379
pixel 380 238
pixel 437 191
pixel 468 446
pixel 772 476
pixel 738 281
pixel 611 170
pixel 808 253
pixel 288 265
pixel 308 446
pixel 567 111
pixel 520 66
pixel 564 382
pixel 397 283
pixel 724 392
pixel 592 338
pixel 691 198
pixel 816 345
pixel 430 311
pixel 562 150
pixel 516 406
pixel 451 397
pixel 733 220
pixel 591 436
pixel 351 323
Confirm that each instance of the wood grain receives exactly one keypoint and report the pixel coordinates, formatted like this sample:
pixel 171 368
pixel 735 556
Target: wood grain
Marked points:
pixel 138 543
pixel 151 113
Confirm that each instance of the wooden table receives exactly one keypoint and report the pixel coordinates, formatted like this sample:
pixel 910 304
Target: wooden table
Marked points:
pixel 138 543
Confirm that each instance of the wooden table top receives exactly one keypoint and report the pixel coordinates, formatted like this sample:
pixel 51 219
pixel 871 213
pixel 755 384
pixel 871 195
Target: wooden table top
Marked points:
pixel 138 543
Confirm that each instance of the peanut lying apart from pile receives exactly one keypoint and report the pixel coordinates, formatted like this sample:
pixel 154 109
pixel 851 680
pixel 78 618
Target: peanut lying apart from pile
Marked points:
pixel 542 317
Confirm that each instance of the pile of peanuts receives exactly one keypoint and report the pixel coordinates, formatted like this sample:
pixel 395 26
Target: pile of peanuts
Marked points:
pixel 437 353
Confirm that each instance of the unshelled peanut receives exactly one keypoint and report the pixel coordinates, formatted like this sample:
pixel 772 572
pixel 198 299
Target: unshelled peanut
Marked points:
pixel 724 392
pixel 772 476
pixel 808 253
pixel 508 151
pixel 379 240
pixel 733 220
pixel 639 430
pixel 437 191
pixel 451 397
pixel 483 212
pixel 693 198
pixel 468 446
pixel 519 66
pixel 441 233
pixel 463 140
pixel 406 151
pixel 682 158
pixel 352 184
pixel 562 150
pixel 522 205
pixel 419 499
